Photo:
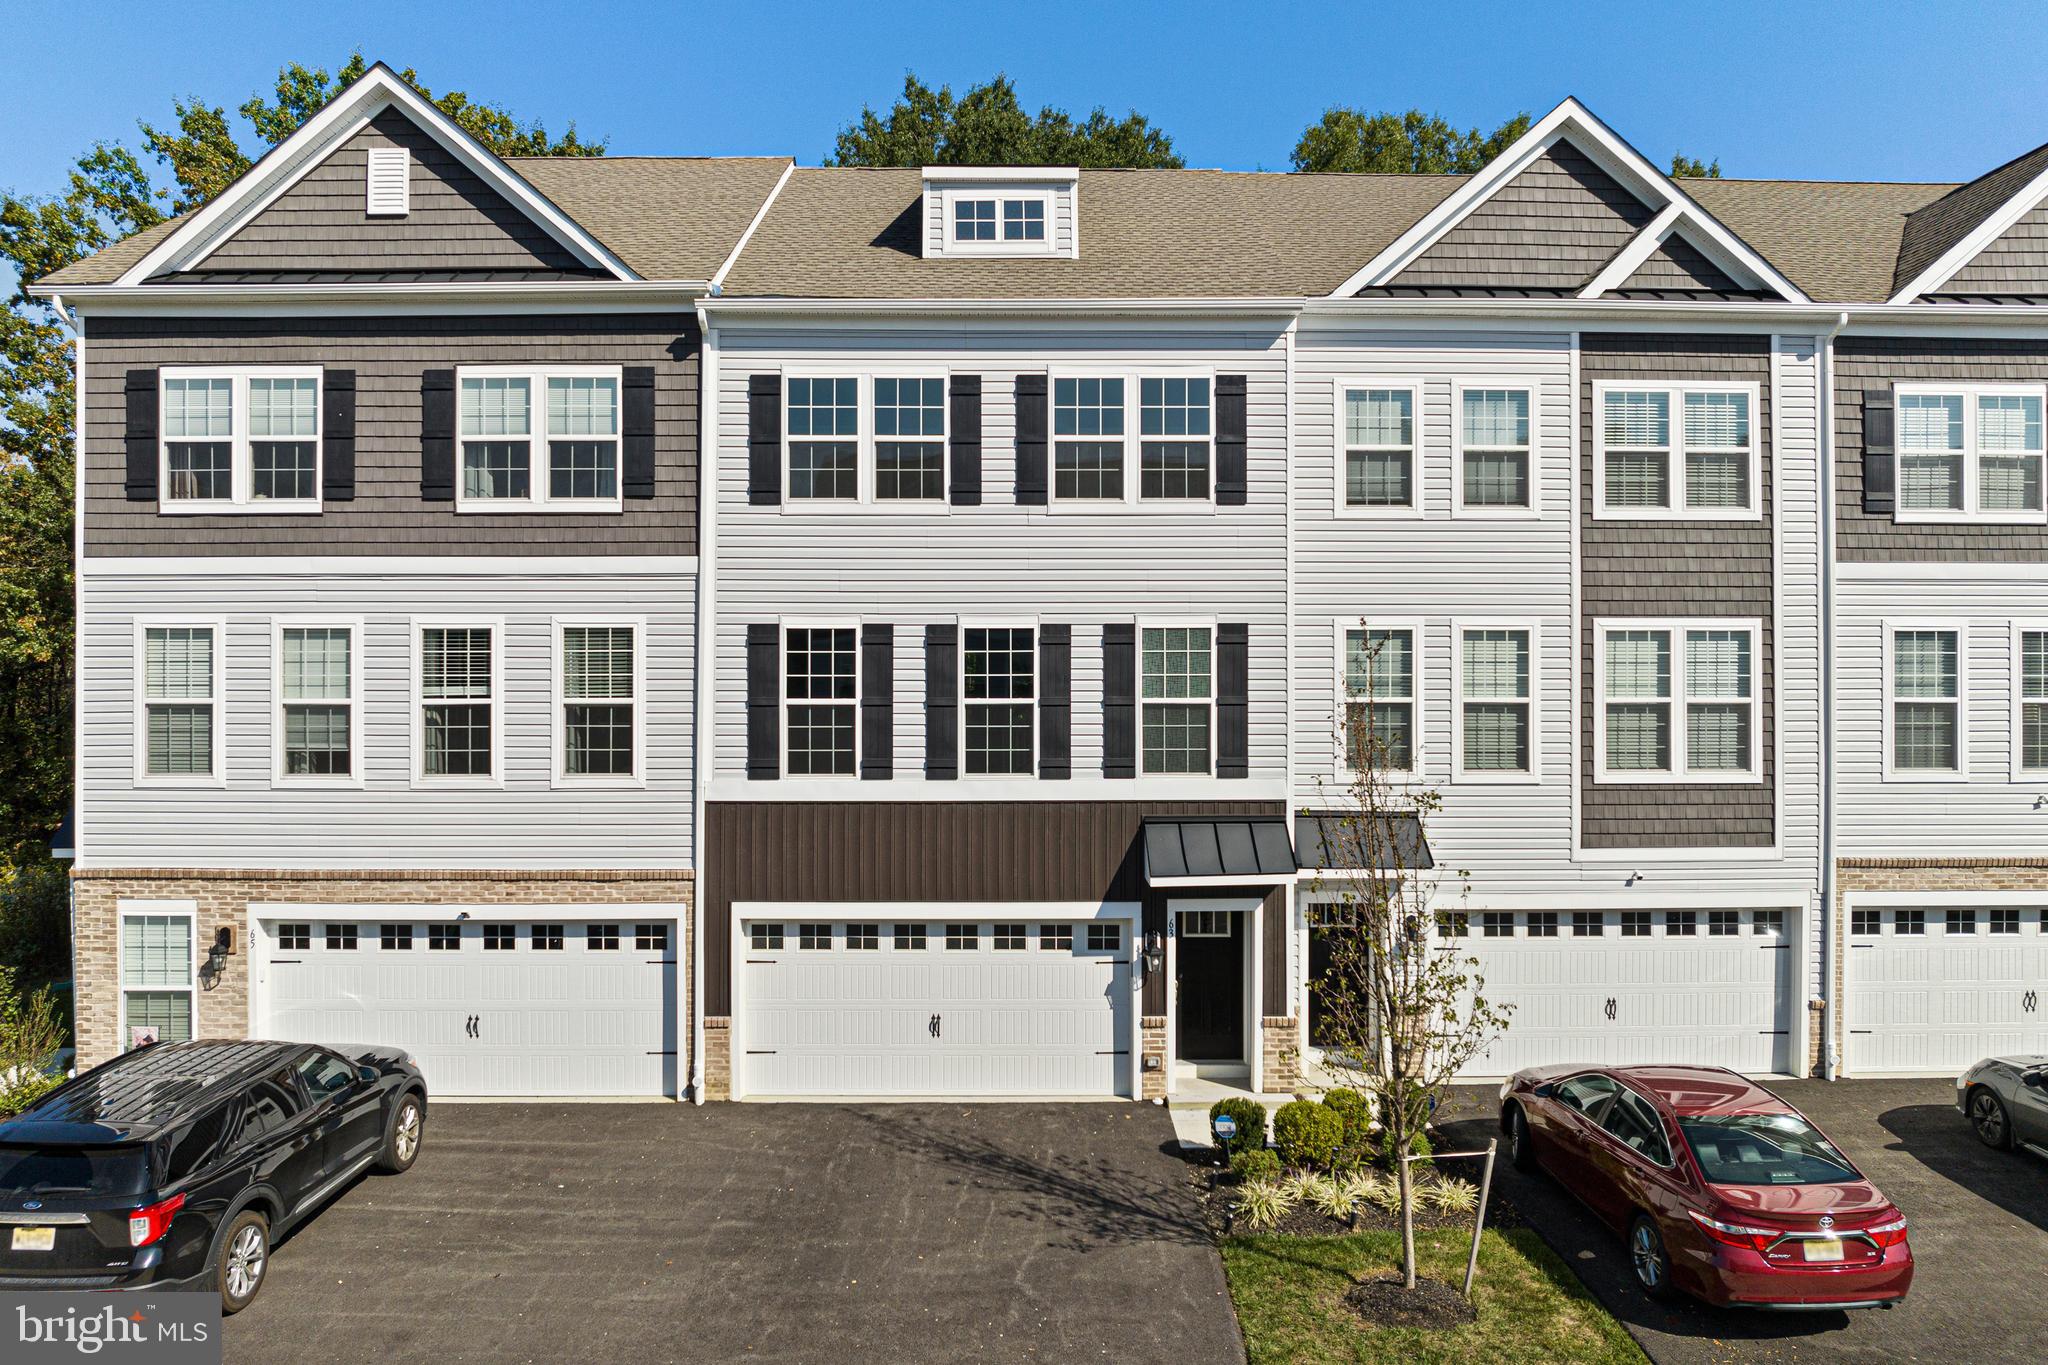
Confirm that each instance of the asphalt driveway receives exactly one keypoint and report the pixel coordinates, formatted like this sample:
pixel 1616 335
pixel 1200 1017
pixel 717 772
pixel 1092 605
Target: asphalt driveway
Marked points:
pixel 1978 1224
pixel 787 1232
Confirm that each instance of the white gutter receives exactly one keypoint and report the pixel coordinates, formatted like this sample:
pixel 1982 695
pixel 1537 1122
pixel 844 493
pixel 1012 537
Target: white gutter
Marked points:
pixel 1830 944
pixel 142 296
pixel 1136 307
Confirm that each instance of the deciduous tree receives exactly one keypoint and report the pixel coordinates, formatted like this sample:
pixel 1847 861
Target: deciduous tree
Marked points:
pixel 1413 143
pixel 988 127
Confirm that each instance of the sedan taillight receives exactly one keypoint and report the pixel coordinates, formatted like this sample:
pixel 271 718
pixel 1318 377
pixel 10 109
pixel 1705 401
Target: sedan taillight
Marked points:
pixel 147 1225
pixel 1734 1235
pixel 1890 1234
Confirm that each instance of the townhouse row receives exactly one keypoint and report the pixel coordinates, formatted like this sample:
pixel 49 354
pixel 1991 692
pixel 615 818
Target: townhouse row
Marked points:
pixel 720 629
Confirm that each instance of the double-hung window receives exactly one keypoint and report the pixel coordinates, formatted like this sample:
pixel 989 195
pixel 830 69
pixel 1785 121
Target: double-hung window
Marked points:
pixel 1496 676
pixel 823 418
pixel 598 701
pixel 1677 450
pixel 999 667
pixel 1973 453
pixel 820 697
pixel 1495 468
pixel 317 667
pixel 1173 437
pixel 1924 677
pixel 156 975
pixel 539 439
pixel 1088 439
pixel 457 668
pixel 1678 701
pixel 178 737
pixel 1178 693
pixel 1376 430
pixel 2030 691
pixel 245 440
pixel 910 439
pixel 1378 695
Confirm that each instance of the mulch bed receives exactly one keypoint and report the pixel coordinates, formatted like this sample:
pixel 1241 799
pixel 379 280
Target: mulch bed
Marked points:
pixel 1430 1304
pixel 1217 1190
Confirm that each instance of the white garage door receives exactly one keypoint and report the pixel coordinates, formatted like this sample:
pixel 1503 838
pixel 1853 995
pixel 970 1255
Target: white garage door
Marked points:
pixel 486 1008
pixel 1931 991
pixel 1637 987
pixel 986 1008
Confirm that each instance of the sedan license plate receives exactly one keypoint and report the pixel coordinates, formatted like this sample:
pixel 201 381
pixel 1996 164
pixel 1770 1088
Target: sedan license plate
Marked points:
pixel 1830 1250
pixel 35 1239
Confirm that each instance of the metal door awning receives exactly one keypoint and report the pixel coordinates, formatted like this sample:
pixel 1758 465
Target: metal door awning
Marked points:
pixel 1222 851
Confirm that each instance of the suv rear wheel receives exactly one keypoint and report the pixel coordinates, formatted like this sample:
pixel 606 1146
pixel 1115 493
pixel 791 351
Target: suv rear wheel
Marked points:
pixel 402 1143
pixel 244 1260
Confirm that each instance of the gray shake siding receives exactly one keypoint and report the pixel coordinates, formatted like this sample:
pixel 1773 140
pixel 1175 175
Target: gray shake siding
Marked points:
pixel 389 355
pixel 2016 262
pixel 1675 568
pixel 1551 227
pixel 1864 363
pixel 1678 264
pixel 456 223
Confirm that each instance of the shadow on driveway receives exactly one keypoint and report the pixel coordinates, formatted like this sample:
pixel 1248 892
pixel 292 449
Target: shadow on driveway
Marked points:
pixel 2015 1181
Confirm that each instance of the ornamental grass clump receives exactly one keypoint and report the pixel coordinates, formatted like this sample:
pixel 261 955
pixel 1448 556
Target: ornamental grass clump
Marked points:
pixel 1263 1203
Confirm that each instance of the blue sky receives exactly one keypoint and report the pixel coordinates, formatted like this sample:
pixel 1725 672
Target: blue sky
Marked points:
pixel 1851 91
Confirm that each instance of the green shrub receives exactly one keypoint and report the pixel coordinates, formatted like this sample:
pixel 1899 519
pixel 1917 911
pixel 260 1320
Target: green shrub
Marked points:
pixel 1358 1148
pixel 35 919
pixel 1418 1146
pixel 30 1035
pixel 1256 1164
pixel 1251 1123
pixel 1307 1134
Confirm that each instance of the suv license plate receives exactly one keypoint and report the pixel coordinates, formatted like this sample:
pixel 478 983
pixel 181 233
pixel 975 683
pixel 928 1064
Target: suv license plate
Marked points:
pixel 35 1239
pixel 1823 1251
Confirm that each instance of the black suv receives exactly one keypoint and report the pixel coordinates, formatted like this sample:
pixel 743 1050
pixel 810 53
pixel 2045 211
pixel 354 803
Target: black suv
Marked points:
pixel 174 1166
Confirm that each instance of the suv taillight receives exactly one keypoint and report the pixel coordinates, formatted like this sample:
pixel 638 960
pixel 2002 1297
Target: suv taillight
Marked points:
pixel 146 1225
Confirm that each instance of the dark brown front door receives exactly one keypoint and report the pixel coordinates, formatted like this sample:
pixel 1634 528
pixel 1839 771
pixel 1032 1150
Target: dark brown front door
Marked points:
pixel 1208 983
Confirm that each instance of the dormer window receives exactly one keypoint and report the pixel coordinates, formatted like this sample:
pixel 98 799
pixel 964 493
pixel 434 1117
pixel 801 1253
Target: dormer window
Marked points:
pixel 1000 211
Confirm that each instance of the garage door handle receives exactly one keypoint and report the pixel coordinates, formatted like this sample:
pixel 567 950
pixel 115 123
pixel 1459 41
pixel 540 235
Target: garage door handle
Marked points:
pixel 2029 1001
pixel 935 1026
pixel 470 1027
pixel 1610 1007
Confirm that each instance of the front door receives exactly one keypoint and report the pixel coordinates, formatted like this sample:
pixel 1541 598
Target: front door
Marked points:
pixel 1208 983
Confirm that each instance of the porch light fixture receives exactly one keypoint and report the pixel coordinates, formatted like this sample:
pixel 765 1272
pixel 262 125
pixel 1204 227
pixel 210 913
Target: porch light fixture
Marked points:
pixel 1155 952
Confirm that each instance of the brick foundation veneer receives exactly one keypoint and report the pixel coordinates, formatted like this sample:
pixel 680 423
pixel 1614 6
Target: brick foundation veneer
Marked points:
pixel 1152 1048
pixel 718 1057
pixel 223 897
pixel 1280 1053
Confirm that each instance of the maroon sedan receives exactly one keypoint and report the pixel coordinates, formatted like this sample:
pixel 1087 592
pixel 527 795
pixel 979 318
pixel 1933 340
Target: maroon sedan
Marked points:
pixel 1723 1190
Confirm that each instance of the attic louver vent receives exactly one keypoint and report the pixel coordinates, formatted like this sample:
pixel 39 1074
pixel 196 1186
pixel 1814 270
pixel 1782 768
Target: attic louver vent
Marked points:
pixel 390 182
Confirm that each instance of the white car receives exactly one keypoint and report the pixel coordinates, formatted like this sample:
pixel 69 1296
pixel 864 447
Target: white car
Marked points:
pixel 2006 1101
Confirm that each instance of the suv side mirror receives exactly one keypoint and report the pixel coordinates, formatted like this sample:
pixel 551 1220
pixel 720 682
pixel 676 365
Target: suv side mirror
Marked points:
pixel 367 1074
pixel 2036 1079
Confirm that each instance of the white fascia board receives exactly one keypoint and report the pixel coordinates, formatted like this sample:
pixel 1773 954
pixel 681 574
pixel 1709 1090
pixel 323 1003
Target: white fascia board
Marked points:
pixel 1618 158
pixel 929 307
pixel 1962 253
pixel 1003 175
pixel 307 300
pixel 285 164
pixel 718 277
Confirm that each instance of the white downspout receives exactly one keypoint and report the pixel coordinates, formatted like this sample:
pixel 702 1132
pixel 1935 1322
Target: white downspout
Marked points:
pixel 76 323
pixel 707 540
pixel 1830 1014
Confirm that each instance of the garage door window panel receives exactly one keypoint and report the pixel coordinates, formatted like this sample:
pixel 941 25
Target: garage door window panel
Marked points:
pixel 911 938
pixel 599 703
pixel 343 938
pixel 444 938
pixel 763 938
pixel 1925 676
pixel 821 696
pixel 157 961
pixel 1179 693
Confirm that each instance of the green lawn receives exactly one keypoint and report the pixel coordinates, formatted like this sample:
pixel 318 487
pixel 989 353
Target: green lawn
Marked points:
pixel 1289 1295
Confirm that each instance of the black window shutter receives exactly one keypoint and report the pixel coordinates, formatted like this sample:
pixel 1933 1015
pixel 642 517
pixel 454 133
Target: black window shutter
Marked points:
pixel 1879 463
pixel 764 702
pixel 338 435
pixel 1055 702
pixel 942 702
pixel 1233 700
pixel 764 440
pixel 636 433
pixel 1230 440
pixel 141 395
pixel 877 701
pixel 1031 429
pixel 965 428
pixel 1119 701
pixel 437 436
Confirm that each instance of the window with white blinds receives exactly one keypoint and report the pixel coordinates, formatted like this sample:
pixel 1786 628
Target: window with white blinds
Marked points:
pixel 316 722
pixel 1924 678
pixel 1678 701
pixel 457 700
pixel 240 440
pixel 1969 452
pixel 2031 732
pixel 1378 445
pixel 1677 451
pixel 598 703
pixel 156 977
pixel 1378 698
pixel 1494 449
pixel 179 737
pixel 1495 697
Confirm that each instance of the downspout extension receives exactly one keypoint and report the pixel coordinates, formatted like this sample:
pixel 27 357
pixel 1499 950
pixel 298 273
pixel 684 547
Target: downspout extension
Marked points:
pixel 1830 1013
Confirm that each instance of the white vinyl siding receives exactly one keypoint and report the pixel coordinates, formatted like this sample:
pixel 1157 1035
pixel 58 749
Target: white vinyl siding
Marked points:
pixel 538 440
pixel 1677 701
pixel 396 817
pixel 1969 453
pixel 239 440
pixel 1680 451
pixel 156 975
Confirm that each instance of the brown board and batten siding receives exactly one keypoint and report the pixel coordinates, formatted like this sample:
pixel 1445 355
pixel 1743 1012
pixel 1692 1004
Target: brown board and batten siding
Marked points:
pixel 1671 569
pixel 387 515
pixel 456 222
pixel 1863 364
pixel 968 852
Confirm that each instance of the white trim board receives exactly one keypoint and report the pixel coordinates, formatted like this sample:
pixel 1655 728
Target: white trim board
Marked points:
pixel 361 566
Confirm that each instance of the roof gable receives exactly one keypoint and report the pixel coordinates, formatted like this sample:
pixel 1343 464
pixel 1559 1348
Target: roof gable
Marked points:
pixel 1941 237
pixel 1589 191
pixel 479 188
pixel 2014 264
pixel 1677 266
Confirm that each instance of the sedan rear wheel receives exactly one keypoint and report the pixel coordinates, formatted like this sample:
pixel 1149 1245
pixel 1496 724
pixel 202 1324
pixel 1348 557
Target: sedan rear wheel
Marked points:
pixel 1987 1116
pixel 1647 1256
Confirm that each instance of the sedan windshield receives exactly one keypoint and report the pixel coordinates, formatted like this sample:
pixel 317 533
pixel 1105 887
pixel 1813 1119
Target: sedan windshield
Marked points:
pixel 1764 1149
